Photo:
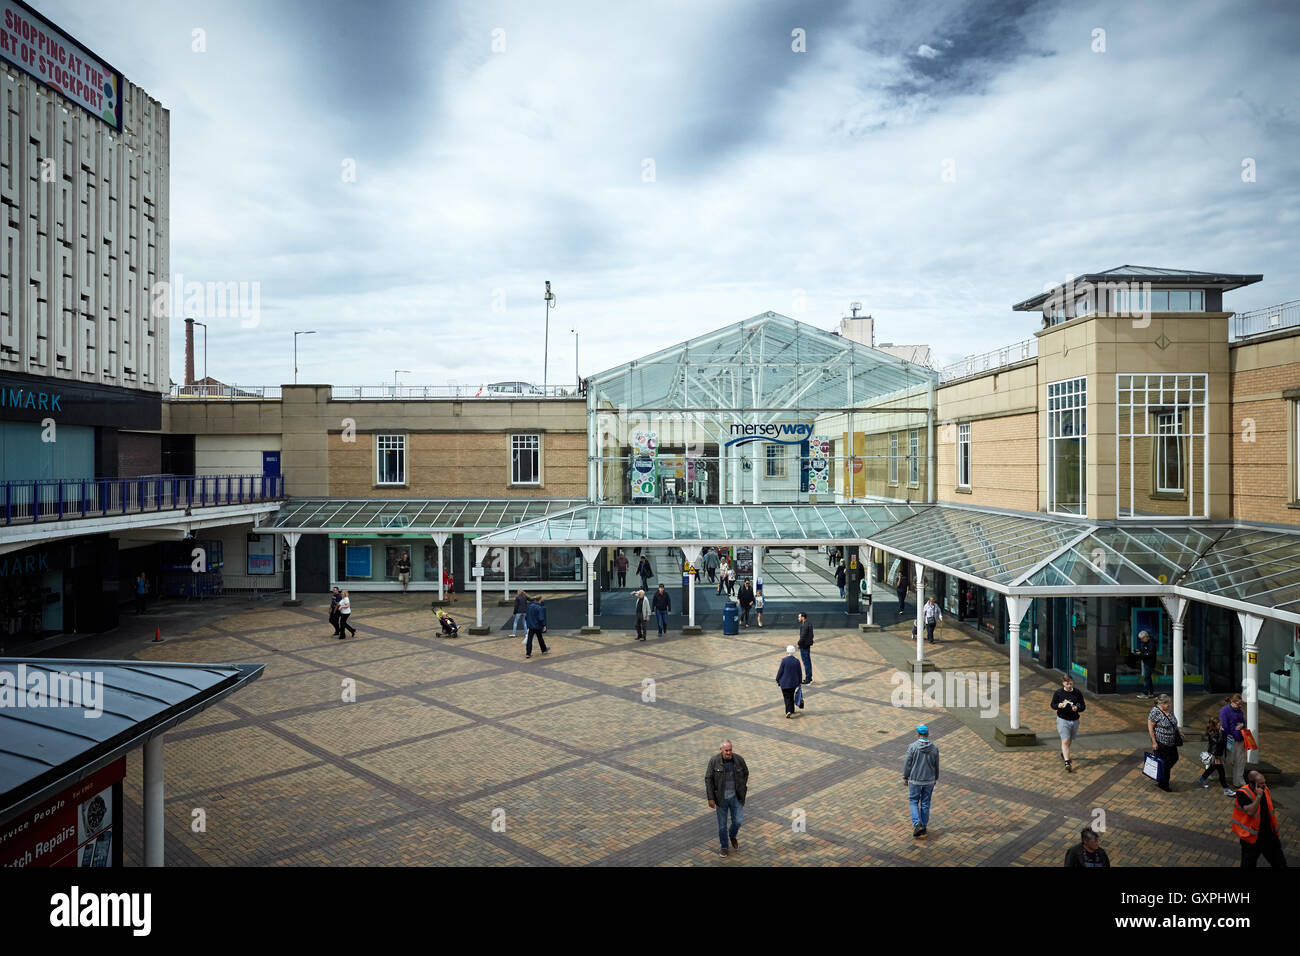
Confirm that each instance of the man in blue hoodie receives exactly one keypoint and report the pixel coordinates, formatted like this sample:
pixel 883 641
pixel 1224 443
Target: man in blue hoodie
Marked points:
pixel 920 773
pixel 535 618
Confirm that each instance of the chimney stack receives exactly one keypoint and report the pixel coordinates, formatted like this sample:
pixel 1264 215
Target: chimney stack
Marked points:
pixel 189 351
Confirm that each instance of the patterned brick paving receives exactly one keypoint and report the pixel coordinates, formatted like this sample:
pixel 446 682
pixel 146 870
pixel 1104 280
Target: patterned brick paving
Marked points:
pixel 462 752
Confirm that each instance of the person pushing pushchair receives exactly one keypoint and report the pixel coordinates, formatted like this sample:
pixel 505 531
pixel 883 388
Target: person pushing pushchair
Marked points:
pixel 449 625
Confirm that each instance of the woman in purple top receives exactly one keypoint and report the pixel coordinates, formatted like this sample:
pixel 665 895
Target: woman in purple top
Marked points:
pixel 1232 720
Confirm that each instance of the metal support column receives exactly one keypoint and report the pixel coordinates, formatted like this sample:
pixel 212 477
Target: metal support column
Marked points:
pixel 1250 626
pixel 1176 607
pixel 292 539
pixel 154 795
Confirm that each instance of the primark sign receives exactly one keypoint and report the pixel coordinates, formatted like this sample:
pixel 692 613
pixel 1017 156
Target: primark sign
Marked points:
pixel 795 433
pixel 35 398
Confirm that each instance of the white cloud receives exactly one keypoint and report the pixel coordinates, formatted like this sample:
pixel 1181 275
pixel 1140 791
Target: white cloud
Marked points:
pixel 927 51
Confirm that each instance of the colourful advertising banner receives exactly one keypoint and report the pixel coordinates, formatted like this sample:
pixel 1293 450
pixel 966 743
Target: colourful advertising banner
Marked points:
pixel 819 465
pixel 79 827
pixel 44 52
pixel 645 446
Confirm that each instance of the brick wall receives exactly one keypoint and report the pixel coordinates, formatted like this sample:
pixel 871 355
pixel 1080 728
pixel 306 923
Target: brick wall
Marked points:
pixel 138 454
pixel 1004 463
pixel 1263 422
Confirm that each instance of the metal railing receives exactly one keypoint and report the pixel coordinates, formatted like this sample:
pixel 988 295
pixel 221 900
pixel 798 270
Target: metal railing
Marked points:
pixel 1275 318
pixel 66 498
pixel 237 393
pixel 988 361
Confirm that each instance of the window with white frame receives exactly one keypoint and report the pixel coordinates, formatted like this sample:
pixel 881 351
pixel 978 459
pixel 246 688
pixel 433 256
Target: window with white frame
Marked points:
pixel 963 455
pixel 893 459
pixel 525 459
pixel 1169 452
pixel 914 458
pixel 390 459
pixel 1067 446
pixel 1161 431
pixel 776 459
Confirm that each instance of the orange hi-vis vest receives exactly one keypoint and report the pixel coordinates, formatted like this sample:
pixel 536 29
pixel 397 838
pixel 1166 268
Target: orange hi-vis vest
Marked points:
pixel 1244 824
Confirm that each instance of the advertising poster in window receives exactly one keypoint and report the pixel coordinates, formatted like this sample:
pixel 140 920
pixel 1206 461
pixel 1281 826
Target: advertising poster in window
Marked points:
pixel 358 560
pixel 819 465
pixel 261 553
pixel 79 827
pixel 645 446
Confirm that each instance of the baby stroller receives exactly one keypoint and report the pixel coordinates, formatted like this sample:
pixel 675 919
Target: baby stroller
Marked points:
pixel 449 625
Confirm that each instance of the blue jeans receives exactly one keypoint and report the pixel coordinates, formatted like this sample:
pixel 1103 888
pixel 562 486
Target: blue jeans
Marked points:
pixel 918 798
pixel 737 818
pixel 514 625
pixel 1147 687
pixel 806 654
pixel 662 617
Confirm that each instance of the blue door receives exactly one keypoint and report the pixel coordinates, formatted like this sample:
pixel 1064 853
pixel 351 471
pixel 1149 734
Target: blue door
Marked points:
pixel 271 464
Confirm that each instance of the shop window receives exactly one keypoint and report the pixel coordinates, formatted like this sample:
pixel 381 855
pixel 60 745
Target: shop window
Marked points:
pixel 914 458
pixel 1161 430
pixel 893 459
pixel 525 459
pixel 1067 440
pixel 390 459
pixel 776 461
pixel 963 455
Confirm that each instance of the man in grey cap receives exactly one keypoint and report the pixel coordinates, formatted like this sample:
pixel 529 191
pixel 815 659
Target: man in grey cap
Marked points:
pixel 920 773
pixel 1147 655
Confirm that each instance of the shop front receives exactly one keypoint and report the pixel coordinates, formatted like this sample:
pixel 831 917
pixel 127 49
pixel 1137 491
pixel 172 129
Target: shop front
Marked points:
pixel 60 587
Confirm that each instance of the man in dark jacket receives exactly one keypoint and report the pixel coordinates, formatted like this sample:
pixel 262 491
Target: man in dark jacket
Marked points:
pixel 746 599
pixel 1067 703
pixel 841 577
pixel 1087 852
pixel 663 603
pixel 641 610
pixel 1147 659
pixel 726 781
pixel 520 613
pixel 787 678
pixel 900 588
pixel 536 620
pixel 644 572
pixel 335 597
pixel 805 646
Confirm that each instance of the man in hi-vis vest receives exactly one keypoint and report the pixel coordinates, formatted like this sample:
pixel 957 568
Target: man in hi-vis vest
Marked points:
pixel 1254 821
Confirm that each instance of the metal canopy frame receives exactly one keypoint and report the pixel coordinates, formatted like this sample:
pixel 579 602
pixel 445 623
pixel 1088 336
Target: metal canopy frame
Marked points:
pixel 411 515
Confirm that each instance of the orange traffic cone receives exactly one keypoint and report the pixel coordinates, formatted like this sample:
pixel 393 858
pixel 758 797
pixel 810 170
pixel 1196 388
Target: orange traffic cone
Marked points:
pixel 157 635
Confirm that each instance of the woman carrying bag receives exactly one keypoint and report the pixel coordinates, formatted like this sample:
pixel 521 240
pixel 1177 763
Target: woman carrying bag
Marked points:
pixel 1165 739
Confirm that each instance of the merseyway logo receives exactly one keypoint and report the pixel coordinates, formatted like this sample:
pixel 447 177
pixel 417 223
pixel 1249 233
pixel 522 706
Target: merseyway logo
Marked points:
pixel 787 434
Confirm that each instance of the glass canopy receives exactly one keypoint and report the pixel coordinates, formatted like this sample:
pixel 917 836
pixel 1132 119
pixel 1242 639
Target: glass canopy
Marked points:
pixel 318 515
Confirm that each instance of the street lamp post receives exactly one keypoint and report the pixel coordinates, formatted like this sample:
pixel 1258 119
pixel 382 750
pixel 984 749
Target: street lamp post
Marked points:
pixel 549 299
pixel 576 375
pixel 205 351
pixel 295 352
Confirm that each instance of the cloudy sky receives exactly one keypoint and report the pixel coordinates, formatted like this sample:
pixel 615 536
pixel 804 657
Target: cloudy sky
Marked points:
pixel 402 177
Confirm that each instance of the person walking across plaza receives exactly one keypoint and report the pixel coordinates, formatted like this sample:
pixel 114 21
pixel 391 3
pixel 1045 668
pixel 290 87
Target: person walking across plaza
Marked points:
pixel 535 617
pixel 805 646
pixel 335 598
pixel 930 616
pixel 1147 659
pixel 711 564
pixel 1068 704
pixel 841 577
pixel 900 588
pixel 141 593
pixel 663 603
pixel 726 784
pixel 1216 748
pixel 644 572
pixel 1087 852
pixel 345 616
pixel 404 570
pixel 788 679
pixel 1255 823
pixel 641 613
pixel 921 773
pixel 731 580
pixel 620 566
pixel 520 613
pixel 1233 720
pixel 1165 738
pixel 746 599
pixel 758 605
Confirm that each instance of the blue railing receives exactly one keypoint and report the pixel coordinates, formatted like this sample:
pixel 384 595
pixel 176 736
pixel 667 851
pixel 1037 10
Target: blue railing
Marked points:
pixel 65 498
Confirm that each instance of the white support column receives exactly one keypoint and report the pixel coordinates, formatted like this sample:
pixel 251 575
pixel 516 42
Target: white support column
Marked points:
pixel 735 474
pixel 758 566
pixel 1015 611
pixel 440 539
pixel 871 584
pixel 1176 607
pixel 920 609
pixel 722 472
pixel 479 554
pixel 692 555
pixel 757 464
pixel 589 554
pixel 154 793
pixel 505 574
pixel 292 539
pixel 1250 625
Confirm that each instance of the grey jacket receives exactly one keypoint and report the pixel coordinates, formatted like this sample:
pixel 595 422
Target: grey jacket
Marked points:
pixel 922 762
pixel 715 776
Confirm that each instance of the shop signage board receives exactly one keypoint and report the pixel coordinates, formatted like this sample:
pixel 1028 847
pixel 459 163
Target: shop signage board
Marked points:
pixel 79 827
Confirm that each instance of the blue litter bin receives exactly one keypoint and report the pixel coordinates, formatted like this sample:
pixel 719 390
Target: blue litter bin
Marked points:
pixel 731 618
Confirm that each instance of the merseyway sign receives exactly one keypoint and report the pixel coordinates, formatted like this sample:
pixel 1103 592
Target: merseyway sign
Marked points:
pixel 795 433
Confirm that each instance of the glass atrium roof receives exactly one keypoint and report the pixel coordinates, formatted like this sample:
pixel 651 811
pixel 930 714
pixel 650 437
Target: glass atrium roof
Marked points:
pixel 762 364
pixel 417 515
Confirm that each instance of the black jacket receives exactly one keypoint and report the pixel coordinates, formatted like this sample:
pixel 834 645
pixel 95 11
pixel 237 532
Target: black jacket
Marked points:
pixel 662 601
pixel 805 634
pixel 643 569
pixel 1076 696
pixel 521 604
pixel 839 577
pixel 746 597
pixel 1074 856
pixel 715 778
pixel 1147 651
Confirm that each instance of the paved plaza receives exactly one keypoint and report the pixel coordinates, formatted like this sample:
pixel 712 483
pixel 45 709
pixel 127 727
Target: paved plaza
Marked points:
pixel 463 752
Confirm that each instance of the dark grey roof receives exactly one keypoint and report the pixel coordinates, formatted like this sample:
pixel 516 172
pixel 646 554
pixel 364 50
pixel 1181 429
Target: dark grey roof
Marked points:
pixel 44 750
pixel 1223 281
